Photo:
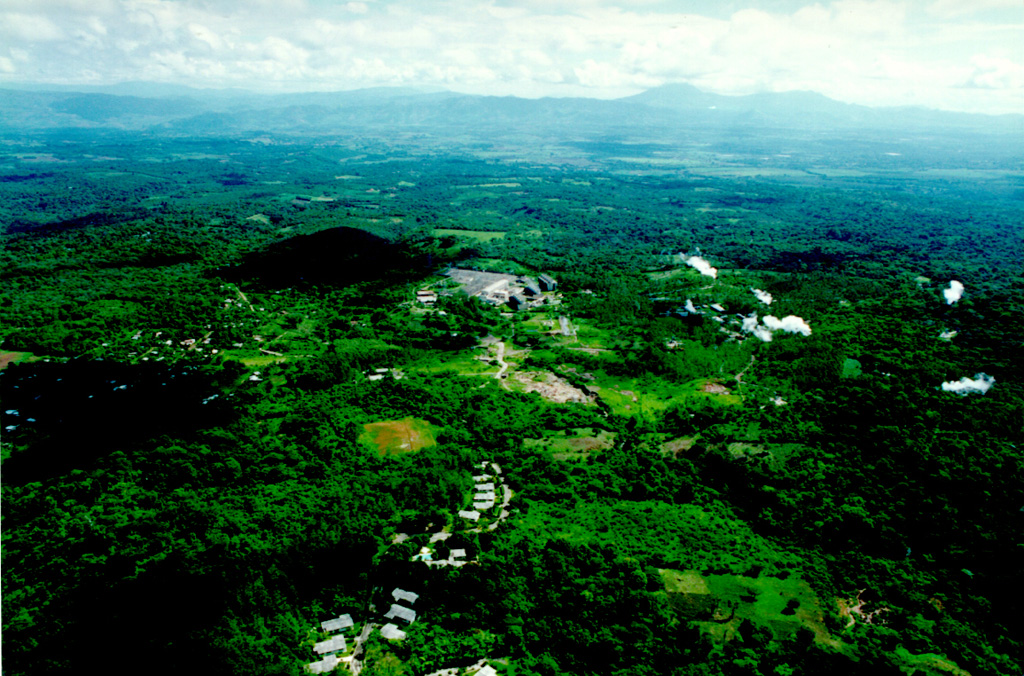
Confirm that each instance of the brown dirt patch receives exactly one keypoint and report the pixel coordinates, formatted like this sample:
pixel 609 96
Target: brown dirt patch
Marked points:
pixel 12 358
pixel 677 446
pixel 394 437
pixel 551 387
pixel 711 387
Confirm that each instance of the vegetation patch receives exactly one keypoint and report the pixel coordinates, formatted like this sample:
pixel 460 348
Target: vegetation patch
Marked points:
pixel 719 604
pixel 574 444
pixel 395 437
pixel 14 357
pixel 477 235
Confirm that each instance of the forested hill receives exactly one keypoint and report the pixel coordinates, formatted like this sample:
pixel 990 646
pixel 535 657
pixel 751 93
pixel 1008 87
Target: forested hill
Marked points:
pixel 756 398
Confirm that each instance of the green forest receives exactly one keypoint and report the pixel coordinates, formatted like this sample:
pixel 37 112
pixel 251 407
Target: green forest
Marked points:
pixel 230 415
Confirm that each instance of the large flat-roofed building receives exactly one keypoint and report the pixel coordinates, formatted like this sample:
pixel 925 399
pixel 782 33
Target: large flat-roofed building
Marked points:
pixel 477 283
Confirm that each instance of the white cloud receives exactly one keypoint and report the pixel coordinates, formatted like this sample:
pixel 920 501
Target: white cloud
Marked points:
pixel 763 296
pixel 980 384
pixel 954 292
pixel 29 28
pixel 702 266
pixel 750 325
pixel 789 324
pixel 865 51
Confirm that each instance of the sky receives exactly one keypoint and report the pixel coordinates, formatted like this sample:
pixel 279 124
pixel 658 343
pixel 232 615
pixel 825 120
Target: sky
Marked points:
pixel 965 55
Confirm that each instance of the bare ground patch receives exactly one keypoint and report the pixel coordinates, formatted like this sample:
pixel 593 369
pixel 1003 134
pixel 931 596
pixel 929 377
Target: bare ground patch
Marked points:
pixel 394 437
pixel 551 387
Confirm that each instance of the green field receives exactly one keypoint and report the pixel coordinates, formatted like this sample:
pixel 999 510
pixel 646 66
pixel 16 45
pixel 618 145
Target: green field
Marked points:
pixel 720 604
pixel 475 235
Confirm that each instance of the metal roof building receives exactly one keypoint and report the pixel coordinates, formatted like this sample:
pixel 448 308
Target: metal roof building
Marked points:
pixel 472 516
pixel 392 632
pixel 333 644
pixel 402 595
pixel 338 623
pixel 401 612
pixel 324 665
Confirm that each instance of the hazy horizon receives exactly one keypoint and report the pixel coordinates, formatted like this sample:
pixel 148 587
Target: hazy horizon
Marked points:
pixel 941 54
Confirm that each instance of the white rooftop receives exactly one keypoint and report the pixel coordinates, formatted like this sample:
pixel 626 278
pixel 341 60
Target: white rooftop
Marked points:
pixel 331 645
pixel 485 487
pixel 402 595
pixel 401 612
pixel 392 632
pixel 326 664
pixel 338 623
pixel 458 553
pixel 472 516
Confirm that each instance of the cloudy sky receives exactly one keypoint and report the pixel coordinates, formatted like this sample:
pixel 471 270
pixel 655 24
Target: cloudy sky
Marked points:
pixel 950 54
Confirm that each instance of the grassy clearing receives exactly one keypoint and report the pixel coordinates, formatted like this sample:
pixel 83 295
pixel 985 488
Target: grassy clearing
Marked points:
pixel 476 235
pixel 15 357
pixel 394 437
pixel 251 360
pixel 721 603
pixel 574 444
pixel 464 363
pixel 635 396
pixel 927 664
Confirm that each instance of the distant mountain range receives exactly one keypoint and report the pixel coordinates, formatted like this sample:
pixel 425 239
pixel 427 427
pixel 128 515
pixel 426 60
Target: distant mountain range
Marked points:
pixel 178 110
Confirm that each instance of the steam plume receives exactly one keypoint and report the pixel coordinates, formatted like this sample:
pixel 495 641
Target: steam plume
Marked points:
pixel 702 266
pixel 954 292
pixel 750 325
pixel 763 296
pixel 789 324
pixel 965 385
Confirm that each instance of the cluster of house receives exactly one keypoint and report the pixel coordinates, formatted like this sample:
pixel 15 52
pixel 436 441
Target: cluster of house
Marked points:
pixel 333 646
pixel 484 495
pixel 336 644
pixel 408 615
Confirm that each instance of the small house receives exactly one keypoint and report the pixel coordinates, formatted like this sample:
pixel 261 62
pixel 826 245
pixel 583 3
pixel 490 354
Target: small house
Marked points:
pixel 401 612
pixel 337 624
pixel 402 595
pixel 392 632
pixel 331 645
